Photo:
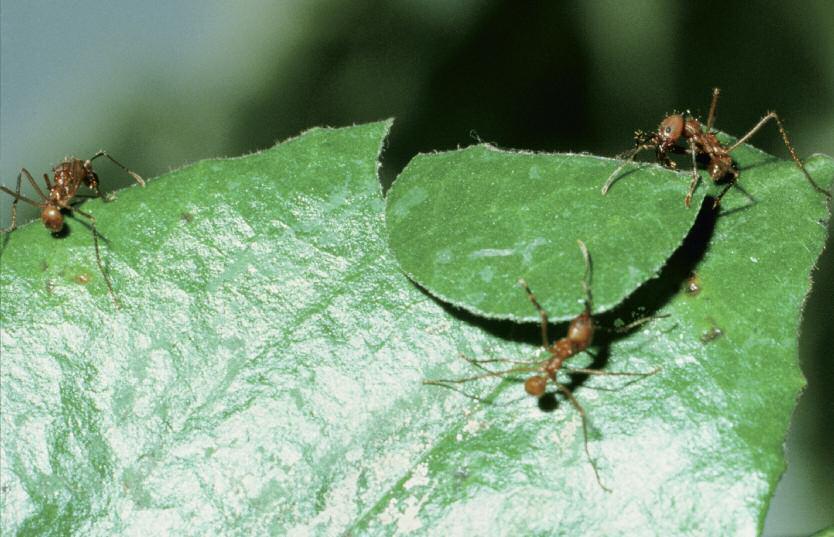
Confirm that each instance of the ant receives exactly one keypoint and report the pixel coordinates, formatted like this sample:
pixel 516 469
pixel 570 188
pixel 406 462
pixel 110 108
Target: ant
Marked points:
pixel 579 337
pixel 684 135
pixel 68 176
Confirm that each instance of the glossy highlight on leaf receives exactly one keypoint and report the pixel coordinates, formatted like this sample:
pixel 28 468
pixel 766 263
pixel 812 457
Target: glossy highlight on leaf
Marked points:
pixel 264 376
pixel 467 224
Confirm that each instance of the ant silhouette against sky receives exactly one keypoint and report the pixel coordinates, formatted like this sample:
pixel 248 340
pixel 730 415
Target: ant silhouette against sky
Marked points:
pixel 67 178
pixel 578 339
pixel 683 134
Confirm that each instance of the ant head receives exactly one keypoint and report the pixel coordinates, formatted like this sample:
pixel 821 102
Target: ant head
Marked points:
pixel 535 386
pixel 581 330
pixel 670 129
pixel 52 218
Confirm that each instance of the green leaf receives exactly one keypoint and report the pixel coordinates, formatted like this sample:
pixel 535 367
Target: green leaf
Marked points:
pixel 827 532
pixel 264 373
pixel 467 224
pixel 696 449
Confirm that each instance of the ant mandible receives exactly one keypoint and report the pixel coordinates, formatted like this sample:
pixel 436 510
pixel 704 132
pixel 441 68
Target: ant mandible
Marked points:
pixel 68 177
pixel 579 337
pixel 682 134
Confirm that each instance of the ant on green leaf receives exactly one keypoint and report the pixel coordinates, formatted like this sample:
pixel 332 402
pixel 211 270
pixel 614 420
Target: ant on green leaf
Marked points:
pixel 579 337
pixel 68 176
pixel 685 135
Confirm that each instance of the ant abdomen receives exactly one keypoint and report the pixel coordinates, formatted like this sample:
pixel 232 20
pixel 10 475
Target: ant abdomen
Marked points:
pixel 535 386
pixel 52 218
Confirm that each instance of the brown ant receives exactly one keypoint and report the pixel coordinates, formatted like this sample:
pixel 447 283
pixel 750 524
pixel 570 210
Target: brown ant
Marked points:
pixel 683 134
pixel 579 337
pixel 68 177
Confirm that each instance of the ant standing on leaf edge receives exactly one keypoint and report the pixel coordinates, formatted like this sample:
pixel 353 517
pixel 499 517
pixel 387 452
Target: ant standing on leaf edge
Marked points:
pixel 579 338
pixel 68 176
pixel 682 134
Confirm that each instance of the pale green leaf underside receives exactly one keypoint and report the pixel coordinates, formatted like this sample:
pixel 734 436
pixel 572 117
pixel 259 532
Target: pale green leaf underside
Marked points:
pixel 264 374
pixel 468 224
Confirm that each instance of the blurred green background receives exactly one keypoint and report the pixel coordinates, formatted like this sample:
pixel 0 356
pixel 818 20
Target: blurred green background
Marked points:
pixel 163 84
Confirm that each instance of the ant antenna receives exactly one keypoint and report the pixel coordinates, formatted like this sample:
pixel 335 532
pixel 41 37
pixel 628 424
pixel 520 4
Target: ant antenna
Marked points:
pixel 628 157
pixel 713 105
pixel 132 174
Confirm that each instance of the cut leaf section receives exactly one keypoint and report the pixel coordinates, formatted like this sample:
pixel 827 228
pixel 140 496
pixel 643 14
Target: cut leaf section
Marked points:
pixel 713 420
pixel 467 224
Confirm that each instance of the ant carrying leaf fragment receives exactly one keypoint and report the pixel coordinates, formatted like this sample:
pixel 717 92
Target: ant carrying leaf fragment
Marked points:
pixel 578 339
pixel 68 176
pixel 684 135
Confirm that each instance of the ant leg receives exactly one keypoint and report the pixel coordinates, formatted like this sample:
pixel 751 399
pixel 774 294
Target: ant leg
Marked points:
pixel 20 197
pixel 542 312
pixel 634 324
pixel 478 363
pixel 92 220
pixel 629 157
pixel 48 183
pixel 101 195
pixel 730 185
pixel 24 171
pixel 564 389
pixel 693 183
pixel 635 376
pixel 134 175
pixel 17 197
pixel 460 391
pixel 788 145
pixel 712 106
pixel 442 382
pixel 601 372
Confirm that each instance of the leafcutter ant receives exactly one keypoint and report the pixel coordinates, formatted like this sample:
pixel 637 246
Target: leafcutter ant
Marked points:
pixel 67 178
pixel 683 134
pixel 579 337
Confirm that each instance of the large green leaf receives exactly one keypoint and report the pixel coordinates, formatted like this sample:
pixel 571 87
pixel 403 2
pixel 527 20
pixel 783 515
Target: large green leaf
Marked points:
pixel 263 375
pixel 695 449
pixel 467 224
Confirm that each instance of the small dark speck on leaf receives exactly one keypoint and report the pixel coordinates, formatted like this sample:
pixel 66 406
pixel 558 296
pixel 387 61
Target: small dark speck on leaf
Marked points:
pixel 693 285
pixel 712 334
